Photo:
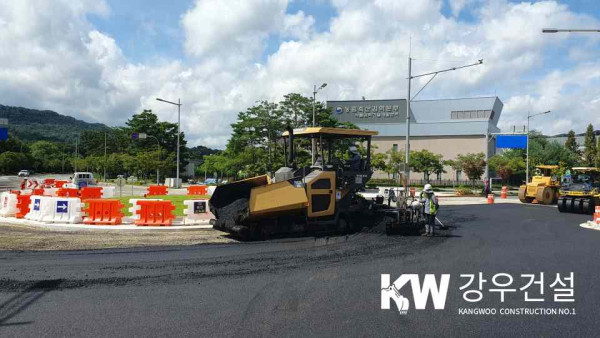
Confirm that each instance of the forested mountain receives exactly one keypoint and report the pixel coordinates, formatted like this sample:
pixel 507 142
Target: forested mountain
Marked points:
pixel 34 125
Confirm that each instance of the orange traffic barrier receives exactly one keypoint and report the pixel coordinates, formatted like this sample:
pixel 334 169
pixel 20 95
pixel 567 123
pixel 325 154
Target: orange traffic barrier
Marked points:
pixel 48 182
pixel 197 190
pixel 38 191
pixel 101 211
pixel 67 192
pixel 597 215
pixel 503 193
pixel 16 192
pixel 490 199
pixel 155 212
pixel 90 193
pixel 59 184
pixel 156 190
pixel 23 202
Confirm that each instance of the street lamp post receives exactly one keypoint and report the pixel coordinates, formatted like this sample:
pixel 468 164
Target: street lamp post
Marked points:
pixel 158 164
pixel 529 116
pixel 555 30
pixel 315 90
pixel 178 104
pixel 408 99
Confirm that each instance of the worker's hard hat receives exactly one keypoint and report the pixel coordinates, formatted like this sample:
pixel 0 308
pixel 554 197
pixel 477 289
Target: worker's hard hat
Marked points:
pixel 427 188
pixel 352 149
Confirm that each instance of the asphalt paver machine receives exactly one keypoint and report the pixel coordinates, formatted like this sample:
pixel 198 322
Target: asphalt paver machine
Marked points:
pixel 323 196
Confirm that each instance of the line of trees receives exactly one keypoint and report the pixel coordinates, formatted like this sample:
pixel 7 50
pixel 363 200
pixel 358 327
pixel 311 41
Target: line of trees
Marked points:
pixel 256 147
pixel 125 156
pixel 511 164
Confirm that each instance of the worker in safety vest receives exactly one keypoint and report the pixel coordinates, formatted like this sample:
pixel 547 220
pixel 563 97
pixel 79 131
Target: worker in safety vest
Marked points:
pixel 430 201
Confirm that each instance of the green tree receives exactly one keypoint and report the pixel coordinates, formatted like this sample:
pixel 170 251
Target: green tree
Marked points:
pixel 166 133
pixel 426 162
pixel 506 165
pixel 11 162
pixel 473 165
pixel 395 162
pixel 571 143
pixel 590 152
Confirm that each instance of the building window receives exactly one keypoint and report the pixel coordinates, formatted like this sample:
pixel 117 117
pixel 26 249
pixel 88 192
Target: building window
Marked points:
pixel 439 176
pixel 458 175
pixel 394 147
pixel 471 114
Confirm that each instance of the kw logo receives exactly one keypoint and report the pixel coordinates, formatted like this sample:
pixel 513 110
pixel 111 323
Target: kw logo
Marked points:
pixel 420 294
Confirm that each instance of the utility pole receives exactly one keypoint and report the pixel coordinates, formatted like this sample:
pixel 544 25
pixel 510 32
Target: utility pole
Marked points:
pixel 529 116
pixel 104 157
pixel 178 104
pixel 314 141
pixel 76 152
pixel 407 145
pixel 409 99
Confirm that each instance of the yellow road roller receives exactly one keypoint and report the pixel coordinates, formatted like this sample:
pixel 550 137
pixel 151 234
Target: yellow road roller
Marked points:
pixel 543 188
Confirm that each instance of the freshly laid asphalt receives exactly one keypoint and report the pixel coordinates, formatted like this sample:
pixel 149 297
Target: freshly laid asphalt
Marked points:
pixel 326 286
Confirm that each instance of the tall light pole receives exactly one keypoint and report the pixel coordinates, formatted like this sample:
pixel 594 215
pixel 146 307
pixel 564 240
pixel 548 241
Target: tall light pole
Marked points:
pixel 529 116
pixel 408 99
pixel 315 91
pixel 178 104
pixel 158 164
pixel 555 30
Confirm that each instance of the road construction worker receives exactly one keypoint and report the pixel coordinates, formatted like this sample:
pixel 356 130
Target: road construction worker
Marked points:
pixel 430 201
pixel 354 158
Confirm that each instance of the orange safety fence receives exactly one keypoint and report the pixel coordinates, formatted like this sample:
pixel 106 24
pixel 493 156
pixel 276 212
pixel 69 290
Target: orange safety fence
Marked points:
pixel 23 202
pixel 91 192
pixel 67 192
pixel 38 191
pixel 196 190
pixel 155 213
pixel 49 182
pixel 103 211
pixel 156 190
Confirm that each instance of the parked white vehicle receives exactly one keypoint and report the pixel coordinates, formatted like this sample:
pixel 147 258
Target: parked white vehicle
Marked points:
pixel 83 179
pixel 23 173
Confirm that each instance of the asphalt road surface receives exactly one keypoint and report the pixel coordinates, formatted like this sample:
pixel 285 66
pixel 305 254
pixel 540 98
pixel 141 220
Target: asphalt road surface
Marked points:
pixel 309 286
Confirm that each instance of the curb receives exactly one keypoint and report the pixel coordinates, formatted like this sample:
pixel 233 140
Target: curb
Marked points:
pixel 590 225
pixel 177 225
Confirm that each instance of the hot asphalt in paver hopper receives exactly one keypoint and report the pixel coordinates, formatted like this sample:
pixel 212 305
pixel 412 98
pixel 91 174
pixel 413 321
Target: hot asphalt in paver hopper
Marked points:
pixel 543 187
pixel 295 200
pixel 581 193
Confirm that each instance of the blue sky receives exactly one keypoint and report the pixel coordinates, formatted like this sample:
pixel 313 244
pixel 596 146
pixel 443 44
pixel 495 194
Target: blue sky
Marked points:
pixel 105 60
pixel 150 29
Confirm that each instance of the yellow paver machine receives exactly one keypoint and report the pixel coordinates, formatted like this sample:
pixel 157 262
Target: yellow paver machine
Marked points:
pixel 322 196
pixel 543 188
pixel 580 192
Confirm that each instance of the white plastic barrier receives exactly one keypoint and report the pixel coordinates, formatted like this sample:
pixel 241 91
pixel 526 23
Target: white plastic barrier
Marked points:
pixel 135 207
pixel 210 190
pixel 50 191
pixel 35 208
pixel 55 209
pixel 108 192
pixel 62 210
pixel 197 211
pixel 8 206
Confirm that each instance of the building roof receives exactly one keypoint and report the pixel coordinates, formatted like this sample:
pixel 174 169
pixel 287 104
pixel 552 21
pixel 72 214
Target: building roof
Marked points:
pixel 448 117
